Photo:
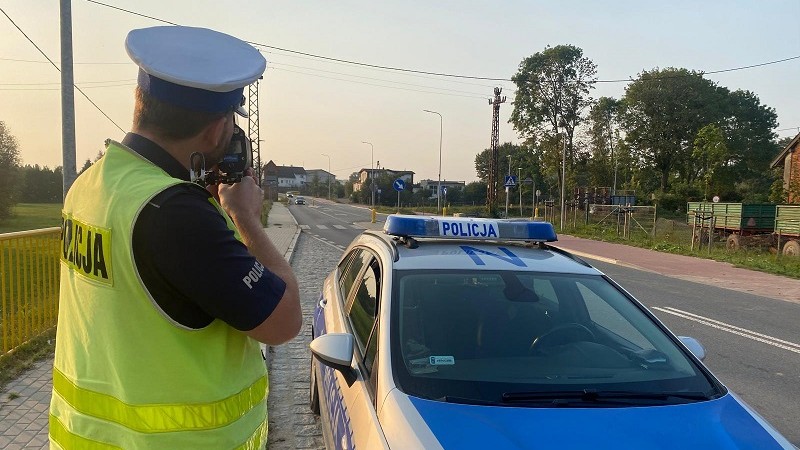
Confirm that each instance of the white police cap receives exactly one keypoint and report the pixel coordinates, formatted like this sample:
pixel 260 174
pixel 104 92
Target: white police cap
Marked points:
pixel 194 68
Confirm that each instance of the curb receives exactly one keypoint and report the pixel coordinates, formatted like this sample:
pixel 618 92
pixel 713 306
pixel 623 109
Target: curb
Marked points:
pixel 589 255
pixel 289 254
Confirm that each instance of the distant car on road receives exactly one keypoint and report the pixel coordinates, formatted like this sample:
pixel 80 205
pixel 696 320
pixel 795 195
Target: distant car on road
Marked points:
pixel 455 333
pixel 299 201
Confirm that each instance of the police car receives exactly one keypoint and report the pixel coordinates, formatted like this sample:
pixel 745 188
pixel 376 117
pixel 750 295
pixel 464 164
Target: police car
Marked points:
pixel 455 333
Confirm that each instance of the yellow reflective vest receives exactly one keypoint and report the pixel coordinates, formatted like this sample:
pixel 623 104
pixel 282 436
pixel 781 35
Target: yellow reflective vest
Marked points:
pixel 126 375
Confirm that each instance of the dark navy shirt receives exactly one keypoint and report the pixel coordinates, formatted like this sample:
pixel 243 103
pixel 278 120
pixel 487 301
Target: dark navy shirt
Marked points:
pixel 190 262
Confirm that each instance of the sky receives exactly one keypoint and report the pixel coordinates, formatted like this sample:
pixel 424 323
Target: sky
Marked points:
pixel 309 106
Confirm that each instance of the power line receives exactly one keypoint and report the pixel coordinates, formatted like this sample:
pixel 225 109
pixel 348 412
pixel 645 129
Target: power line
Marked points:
pixel 46 62
pixel 59 69
pixel 82 82
pixel 469 94
pixel 439 74
pixel 380 79
pixel 58 89
pixel 327 58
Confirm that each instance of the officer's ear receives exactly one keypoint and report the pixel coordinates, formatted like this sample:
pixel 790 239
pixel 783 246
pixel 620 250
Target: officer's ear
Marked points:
pixel 214 132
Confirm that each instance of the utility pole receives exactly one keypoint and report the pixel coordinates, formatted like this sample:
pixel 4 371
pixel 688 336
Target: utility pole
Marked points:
pixel 563 182
pixel 67 99
pixel 439 184
pixel 519 186
pixel 491 185
pixel 508 188
pixel 329 175
pixel 252 128
pixel 613 160
pixel 372 171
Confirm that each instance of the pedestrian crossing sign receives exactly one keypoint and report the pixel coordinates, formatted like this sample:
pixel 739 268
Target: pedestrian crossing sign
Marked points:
pixel 511 181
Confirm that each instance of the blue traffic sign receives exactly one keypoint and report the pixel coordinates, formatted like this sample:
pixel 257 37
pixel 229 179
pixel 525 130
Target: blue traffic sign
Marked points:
pixel 399 184
pixel 511 181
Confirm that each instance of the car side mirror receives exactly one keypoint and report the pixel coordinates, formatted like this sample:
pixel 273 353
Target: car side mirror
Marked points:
pixel 335 350
pixel 694 346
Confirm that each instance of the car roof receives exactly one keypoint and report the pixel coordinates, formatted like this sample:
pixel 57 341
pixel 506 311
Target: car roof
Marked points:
pixel 454 254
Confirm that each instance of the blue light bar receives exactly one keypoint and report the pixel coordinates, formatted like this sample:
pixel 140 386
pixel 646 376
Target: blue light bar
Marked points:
pixel 469 228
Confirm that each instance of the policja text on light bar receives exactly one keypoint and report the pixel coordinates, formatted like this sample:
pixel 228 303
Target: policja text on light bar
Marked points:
pixel 469 228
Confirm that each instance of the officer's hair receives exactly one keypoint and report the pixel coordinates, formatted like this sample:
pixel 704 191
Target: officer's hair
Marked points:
pixel 168 121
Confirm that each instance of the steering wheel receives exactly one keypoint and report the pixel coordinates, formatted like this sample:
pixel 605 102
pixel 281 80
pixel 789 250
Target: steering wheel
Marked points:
pixel 560 335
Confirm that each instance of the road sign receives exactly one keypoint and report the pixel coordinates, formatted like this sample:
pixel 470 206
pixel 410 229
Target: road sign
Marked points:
pixel 511 181
pixel 399 184
pixel 444 190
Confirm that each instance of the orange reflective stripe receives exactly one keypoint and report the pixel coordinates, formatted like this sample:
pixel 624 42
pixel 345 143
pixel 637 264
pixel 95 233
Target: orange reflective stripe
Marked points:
pixel 67 440
pixel 160 418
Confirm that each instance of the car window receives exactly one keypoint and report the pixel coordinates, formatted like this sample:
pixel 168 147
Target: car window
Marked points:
pixel 479 334
pixel 609 318
pixel 352 267
pixel 363 313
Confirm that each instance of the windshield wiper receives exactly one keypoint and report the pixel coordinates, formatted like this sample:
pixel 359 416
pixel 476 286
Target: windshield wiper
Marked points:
pixel 593 395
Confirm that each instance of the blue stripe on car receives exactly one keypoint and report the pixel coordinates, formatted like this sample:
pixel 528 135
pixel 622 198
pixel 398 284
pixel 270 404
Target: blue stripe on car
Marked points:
pixel 720 424
pixel 339 419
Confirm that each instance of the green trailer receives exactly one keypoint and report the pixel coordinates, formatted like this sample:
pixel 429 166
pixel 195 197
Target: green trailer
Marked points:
pixel 734 222
pixel 787 229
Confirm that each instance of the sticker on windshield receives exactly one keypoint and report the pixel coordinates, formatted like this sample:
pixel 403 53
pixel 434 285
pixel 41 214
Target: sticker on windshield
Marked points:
pixel 441 360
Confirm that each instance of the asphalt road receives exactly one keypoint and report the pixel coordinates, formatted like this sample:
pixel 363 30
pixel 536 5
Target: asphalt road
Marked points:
pixel 752 343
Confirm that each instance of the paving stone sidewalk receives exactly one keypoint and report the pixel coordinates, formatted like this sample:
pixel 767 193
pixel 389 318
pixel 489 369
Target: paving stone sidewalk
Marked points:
pixel 25 402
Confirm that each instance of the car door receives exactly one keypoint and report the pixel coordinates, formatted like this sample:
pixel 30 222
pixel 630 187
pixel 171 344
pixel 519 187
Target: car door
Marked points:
pixel 350 408
pixel 362 312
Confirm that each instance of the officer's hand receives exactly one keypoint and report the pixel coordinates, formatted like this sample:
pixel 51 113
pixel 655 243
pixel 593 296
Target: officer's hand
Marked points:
pixel 242 201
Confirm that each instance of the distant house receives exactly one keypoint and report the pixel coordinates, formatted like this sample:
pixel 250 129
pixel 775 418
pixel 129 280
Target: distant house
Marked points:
pixel 431 184
pixel 291 177
pixel 322 176
pixel 364 174
pixel 790 159
pixel 269 180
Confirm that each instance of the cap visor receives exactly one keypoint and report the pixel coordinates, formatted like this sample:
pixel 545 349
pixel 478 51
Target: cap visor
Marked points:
pixel 242 112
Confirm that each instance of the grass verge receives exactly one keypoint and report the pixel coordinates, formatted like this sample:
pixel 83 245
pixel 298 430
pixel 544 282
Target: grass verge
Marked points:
pixel 22 358
pixel 32 216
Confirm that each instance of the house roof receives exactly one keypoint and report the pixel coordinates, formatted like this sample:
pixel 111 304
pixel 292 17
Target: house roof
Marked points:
pixel 290 171
pixel 387 170
pixel 782 155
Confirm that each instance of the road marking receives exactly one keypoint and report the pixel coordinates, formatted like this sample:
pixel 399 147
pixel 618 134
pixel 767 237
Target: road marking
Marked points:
pixel 322 227
pixel 305 227
pixel 325 241
pixel 744 332
pixel 340 227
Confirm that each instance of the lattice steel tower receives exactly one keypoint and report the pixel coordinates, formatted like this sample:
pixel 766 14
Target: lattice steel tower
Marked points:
pixel 252 128
pixel 491 185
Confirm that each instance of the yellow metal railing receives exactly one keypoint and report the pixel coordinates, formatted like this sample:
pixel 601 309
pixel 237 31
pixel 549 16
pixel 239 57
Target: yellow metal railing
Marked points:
pixel 29 276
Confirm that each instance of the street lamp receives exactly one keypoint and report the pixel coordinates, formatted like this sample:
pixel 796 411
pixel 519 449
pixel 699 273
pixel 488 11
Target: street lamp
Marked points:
pixel 439 185
pixel 329 175
pixel 372 170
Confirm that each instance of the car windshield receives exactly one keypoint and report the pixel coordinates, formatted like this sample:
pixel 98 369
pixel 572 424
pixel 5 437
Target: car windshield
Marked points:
pixel 493 336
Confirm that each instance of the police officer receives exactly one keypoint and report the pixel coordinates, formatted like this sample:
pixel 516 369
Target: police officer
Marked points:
pixel 167 288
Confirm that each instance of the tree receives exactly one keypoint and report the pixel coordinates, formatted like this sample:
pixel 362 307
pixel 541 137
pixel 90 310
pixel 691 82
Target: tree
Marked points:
pixel 662 112
pixel 40 184
pixel 552 91
pixel 603 136
pixel 710 152
pixel 9 171
pixel 475 192
pixel 749 131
